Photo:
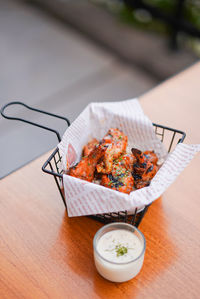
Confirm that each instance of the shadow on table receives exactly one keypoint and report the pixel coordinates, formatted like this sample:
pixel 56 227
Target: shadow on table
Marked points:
pixel 76 235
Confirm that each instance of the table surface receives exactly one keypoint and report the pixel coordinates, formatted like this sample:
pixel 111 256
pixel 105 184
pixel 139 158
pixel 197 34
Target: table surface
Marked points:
pixel 45 254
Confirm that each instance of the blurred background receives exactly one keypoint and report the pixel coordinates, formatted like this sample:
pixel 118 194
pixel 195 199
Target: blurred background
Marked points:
pixel 60 55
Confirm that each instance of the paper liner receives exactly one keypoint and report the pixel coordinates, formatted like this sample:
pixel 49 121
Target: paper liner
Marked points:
pixel 85 198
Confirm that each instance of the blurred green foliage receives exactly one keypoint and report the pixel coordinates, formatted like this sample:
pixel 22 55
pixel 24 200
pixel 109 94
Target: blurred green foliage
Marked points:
pixel 142 19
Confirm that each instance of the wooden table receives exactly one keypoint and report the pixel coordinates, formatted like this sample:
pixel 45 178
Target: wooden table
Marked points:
pixel 44 254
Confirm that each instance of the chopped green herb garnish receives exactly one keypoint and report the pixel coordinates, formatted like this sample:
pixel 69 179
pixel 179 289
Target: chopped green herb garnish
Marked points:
pixel 121 250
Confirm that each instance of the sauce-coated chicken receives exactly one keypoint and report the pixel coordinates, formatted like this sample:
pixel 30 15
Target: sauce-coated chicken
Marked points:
pixel 90 146
pixel 116 143
pixel 145 168
pixel 107 161
pixel 151 156
pixel 121 178
pixel 86 167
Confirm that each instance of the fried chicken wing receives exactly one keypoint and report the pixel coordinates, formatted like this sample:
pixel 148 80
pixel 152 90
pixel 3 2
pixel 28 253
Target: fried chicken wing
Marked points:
pixel 142 163
pixel 125 161
pixel 141 184
pixel 144 180
pixel 120 178
pixel 124 184
pixel 141 158
pixel 147 156
pixel 116 143
pixel 108 162
pixel 145 168
pixel 151 156
pixel 90 147
pixel 150 173
pixel 86 167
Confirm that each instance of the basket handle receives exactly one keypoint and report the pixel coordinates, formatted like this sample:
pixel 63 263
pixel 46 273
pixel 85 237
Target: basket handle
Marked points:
pixel 2 111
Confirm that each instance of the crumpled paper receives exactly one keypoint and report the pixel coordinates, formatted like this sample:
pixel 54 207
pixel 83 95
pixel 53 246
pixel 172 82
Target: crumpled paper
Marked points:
pixel 85 198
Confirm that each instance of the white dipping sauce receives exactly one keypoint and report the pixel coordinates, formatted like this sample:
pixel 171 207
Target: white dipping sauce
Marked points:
pixel 119 253
pixel 109 246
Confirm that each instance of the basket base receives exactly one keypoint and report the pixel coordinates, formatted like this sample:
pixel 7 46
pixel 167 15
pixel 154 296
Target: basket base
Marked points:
pixel 133 218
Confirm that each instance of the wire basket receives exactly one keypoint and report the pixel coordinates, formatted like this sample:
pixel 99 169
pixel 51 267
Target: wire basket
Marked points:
pixel 170 137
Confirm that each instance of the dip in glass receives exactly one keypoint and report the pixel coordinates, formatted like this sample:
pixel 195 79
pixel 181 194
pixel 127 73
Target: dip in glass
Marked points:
pixel 119 251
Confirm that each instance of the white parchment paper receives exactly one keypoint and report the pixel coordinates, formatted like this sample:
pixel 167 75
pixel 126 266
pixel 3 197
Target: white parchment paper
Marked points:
pixel 85 198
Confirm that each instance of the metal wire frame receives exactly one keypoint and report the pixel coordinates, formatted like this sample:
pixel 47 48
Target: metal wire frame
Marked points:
pixel 51 165
pixel 14 103
pixel 122 216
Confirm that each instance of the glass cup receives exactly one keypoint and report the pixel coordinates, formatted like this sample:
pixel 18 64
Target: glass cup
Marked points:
pixel 118 271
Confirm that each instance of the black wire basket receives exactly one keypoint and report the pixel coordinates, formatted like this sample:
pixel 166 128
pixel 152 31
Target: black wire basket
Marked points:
pixel 170 137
